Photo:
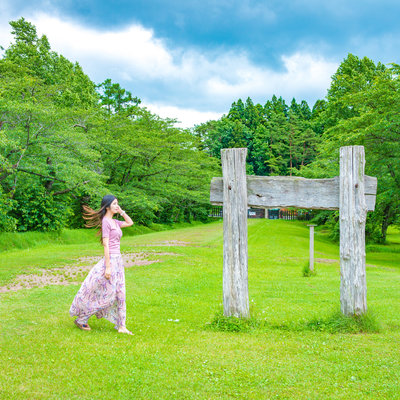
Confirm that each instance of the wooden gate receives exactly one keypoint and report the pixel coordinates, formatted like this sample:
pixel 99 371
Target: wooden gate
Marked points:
pixel 353 193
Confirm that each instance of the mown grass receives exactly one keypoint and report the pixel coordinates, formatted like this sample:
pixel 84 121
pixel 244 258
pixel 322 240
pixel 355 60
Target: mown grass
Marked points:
pixel 25 252
pixel 23 240
pixel 295 346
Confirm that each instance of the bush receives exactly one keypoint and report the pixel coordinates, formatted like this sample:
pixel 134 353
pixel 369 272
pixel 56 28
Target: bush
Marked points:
pixel 7 222
pixel 37 210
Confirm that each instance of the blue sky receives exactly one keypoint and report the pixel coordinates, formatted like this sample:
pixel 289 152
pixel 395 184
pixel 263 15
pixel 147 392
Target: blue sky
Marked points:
pixel 191 59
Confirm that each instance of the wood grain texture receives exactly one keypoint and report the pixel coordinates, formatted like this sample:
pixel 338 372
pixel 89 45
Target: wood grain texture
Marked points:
pixel 353 215
pixel 235 280
pixel 289 191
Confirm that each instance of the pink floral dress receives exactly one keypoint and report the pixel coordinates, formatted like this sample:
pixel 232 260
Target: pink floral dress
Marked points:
pixel 99 296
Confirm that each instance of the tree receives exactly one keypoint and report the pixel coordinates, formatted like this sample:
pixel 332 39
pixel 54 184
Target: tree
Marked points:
pixel 43 150
pixel 353 76
pixel 115 98
pixel 365 100
pixel 280 139
pixel 72 87
pixel 63 144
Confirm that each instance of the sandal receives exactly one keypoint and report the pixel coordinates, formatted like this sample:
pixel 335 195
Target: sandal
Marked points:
pixel 84 327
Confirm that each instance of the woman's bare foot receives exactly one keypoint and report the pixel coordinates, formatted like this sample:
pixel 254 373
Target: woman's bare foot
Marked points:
pixel 123 329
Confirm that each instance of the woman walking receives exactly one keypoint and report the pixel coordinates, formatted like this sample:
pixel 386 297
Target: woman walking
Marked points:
pixel 103 291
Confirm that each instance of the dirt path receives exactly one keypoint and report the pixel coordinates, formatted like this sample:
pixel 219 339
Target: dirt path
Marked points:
pixel 74 274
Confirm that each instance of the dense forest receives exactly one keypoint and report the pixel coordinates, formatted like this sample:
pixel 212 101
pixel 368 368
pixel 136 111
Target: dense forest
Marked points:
pixel 66 141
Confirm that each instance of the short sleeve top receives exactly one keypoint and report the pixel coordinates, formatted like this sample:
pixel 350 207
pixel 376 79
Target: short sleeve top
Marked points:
pixel 111 229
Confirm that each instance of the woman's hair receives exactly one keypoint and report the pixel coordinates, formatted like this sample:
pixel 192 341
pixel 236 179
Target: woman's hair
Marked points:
pixel 94 218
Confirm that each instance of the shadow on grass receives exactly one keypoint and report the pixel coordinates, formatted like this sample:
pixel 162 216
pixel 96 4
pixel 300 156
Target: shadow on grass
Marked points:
pixel 333 323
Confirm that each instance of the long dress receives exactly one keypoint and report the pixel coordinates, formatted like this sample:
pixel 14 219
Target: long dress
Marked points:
pixel 99 296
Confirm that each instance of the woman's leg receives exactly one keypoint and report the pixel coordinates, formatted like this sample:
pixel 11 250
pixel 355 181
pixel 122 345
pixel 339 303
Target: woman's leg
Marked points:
pixel 121 301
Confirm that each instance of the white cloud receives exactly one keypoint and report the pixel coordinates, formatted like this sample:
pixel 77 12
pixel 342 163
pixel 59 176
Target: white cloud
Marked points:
pixel 5 28
pixel 186 117
pixel 303 75
pixel 134 48
pixel 192 86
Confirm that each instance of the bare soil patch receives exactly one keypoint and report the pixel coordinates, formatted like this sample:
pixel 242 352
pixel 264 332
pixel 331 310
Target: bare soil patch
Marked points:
pixel 171 243
pixel 74 274
pixel 326 260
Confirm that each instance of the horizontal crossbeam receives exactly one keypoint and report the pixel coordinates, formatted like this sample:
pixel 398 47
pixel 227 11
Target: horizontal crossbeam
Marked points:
pixel 290 191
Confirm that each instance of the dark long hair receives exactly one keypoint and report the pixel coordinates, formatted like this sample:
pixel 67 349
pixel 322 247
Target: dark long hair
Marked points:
pixel 94 218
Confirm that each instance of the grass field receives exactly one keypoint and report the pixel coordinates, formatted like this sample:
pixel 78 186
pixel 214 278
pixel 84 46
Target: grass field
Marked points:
pixel 175 353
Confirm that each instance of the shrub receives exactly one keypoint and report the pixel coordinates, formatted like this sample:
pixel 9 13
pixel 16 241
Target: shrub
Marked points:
pixel 37 210
pixel 7 222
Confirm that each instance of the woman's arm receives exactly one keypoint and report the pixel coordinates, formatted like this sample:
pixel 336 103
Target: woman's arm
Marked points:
pixel 128 221
pixel 107 273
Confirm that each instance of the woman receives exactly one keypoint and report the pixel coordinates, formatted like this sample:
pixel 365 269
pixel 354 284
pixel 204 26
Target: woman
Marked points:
pixel 103 291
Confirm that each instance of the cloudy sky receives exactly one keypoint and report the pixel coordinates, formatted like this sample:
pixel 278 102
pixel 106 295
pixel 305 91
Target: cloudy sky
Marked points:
pixel 190 59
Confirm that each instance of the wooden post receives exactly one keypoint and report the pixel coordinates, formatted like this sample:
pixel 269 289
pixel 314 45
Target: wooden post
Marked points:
pixel 235 281
pixel 311 247
pixel 352 214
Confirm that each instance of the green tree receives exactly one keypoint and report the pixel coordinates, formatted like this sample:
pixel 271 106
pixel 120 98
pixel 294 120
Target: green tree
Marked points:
pixel 72 87
pixel 353 76
pixel 43 148
pixel 115 98
pixel 280 139
pixel 366 107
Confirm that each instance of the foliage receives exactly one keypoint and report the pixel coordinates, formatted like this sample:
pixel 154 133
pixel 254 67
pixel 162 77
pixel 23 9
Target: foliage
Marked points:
pixel 38 210
pixel 362 109
pixel 7 222
pixel 72 145
pixel 115 98
pixel 280 139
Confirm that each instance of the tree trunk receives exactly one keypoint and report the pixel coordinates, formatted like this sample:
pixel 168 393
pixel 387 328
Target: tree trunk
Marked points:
pixel 387 217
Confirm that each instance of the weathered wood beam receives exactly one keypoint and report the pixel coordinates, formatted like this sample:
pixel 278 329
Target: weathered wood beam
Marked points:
pixel 289 191
pixel 352 216
pixel 235 280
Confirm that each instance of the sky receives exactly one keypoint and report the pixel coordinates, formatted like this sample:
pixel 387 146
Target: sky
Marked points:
pixel 191 59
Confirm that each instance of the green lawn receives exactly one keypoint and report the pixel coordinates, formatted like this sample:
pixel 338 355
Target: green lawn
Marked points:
pixel 174 354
